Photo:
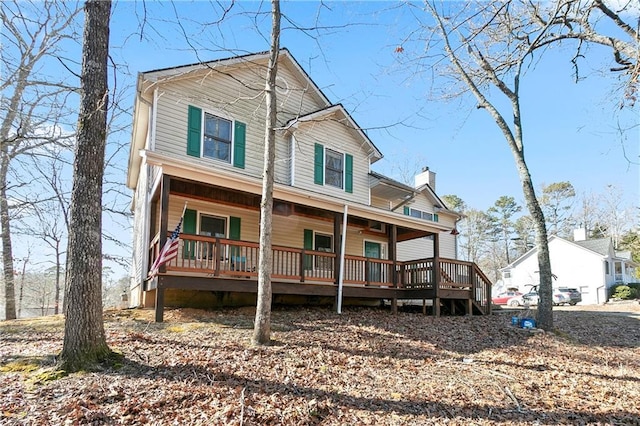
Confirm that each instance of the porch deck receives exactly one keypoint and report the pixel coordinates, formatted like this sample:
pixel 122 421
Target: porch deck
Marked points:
pixel 219 264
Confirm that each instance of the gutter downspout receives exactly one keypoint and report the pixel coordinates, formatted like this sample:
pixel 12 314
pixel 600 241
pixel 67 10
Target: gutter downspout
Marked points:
pixel 343 244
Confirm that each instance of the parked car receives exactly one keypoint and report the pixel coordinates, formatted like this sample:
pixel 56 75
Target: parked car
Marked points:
pixel 506 298
pixel 532 297
pixel 571 295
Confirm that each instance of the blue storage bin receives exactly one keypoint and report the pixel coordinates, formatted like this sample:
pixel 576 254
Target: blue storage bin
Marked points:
pixel 527 323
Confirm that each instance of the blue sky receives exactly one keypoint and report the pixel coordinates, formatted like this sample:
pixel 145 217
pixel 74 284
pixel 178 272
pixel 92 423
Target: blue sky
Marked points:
pixel 570 129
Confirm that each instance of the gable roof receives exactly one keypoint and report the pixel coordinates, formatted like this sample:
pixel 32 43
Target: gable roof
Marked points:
pixel 148 79
pixel 337 108
pixel 181 70
pixel 600 245
pixel 386 187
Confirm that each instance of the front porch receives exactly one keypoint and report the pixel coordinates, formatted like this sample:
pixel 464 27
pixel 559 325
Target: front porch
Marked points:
pixel 216 264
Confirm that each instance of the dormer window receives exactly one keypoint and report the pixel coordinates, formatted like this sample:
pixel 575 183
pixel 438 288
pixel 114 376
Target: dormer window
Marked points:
pixel 333 168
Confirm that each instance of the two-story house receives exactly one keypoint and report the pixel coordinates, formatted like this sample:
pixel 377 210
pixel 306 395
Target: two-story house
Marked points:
pixel 198 140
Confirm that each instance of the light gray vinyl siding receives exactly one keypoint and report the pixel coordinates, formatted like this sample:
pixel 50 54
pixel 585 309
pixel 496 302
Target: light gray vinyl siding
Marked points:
pixel 332 133
pixel 423 247
pixel 218 94
pixel 420 248
pixel 139 239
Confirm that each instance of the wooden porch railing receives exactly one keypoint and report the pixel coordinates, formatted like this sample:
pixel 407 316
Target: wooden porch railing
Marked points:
pixel 221 257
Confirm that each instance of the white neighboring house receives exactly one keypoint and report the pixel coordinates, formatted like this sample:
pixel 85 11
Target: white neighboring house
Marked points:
pixel 591 266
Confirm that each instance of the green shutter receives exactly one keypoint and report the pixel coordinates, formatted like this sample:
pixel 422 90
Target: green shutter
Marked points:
pixel 234 228
pixel 406 210
pixel 348 173
pixel 318 165
pixel 239 141
pixel 234 234
pixel 308 245
pixel 189 227
pixel 194 127
pixel 435 217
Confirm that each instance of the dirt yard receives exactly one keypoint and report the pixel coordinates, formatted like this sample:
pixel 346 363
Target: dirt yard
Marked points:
pixel 363 367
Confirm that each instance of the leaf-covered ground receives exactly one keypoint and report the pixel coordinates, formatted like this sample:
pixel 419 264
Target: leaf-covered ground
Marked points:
pixel 363 367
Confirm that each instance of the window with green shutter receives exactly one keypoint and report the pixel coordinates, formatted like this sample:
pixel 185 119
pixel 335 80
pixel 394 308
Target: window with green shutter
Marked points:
pixel 332 168
pixel 210 136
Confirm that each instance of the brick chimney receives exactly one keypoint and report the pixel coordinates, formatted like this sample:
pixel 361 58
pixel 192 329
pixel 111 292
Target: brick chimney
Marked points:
pixel 425 176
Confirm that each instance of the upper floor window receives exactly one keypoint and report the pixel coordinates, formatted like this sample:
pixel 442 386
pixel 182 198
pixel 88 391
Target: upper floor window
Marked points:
pixel 420 214
pixel 217 138
pixel 333 168
pixel 334 164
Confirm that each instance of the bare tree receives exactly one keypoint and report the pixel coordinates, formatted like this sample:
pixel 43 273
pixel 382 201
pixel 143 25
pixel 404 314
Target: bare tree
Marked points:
pixel 487 48
pixel 32 104
pixel 84 338
pixel 475 232
pixel 262 325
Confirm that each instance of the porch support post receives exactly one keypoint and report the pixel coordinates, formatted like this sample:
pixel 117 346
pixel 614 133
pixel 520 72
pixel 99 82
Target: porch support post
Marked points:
pixel 337 246
pixel 164 223
pixel 336 249
pixel 474 284
pixel 393 240
pixel 343 243
pixel 164 215
pixel 436 274
pixel 160 300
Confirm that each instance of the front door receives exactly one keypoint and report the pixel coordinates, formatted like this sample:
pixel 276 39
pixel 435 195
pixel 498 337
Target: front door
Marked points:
pixel 373 250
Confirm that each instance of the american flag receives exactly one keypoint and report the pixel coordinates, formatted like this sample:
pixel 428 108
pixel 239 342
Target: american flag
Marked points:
pixel 170 249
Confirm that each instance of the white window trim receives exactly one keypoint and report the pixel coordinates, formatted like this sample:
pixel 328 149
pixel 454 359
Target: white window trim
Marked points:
pixel 315 260
pixel 383 248
pixel 233 134
pixel 344 171
pixel 325 234
pixel 421 212
pixel 216 215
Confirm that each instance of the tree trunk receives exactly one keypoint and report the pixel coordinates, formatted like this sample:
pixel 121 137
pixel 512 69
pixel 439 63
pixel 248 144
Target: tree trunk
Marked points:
pixel 545 292
pixel 7 251
pixel 56 310
pixel 262 325
pixel 84 338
